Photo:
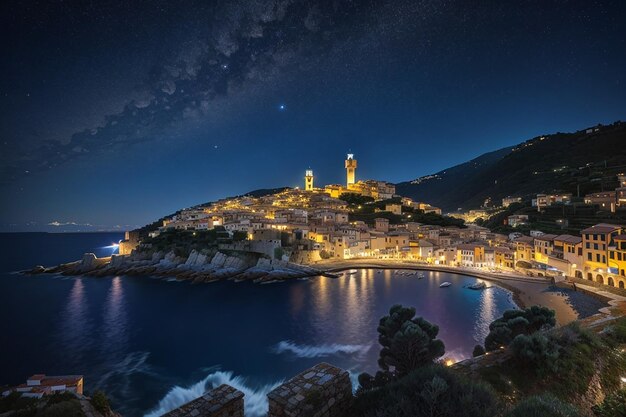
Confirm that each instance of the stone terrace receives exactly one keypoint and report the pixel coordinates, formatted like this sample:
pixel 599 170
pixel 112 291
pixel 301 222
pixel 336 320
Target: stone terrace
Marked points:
pixel 223 401
pixel 321 391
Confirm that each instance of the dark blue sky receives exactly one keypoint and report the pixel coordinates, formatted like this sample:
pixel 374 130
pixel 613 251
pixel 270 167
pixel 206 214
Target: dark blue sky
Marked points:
pixel 115 114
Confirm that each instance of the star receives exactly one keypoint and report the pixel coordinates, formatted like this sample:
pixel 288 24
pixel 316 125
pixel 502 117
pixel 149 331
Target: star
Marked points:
pixel 282 107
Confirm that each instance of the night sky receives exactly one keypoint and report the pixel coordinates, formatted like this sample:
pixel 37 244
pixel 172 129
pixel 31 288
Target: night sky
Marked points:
pixel 113 115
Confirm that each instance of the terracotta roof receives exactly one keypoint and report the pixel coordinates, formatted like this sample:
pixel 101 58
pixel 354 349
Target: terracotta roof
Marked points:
pixel 547 237
pixel 602 228
pixel 573 240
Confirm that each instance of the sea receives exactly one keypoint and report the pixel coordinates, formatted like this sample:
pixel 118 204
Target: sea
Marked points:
pixel 153 344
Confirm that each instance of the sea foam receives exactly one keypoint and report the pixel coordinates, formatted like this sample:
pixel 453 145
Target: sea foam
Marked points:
pixel 319 351
pixel 255 398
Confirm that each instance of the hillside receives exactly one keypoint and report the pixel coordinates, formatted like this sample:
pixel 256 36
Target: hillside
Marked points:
pixel 578 162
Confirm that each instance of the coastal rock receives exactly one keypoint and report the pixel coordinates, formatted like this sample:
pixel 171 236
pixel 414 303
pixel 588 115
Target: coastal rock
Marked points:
pixel 88 261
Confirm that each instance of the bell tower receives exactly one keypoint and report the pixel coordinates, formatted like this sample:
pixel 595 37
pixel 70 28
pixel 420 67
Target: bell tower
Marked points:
pixel 350 169
pixel 308 180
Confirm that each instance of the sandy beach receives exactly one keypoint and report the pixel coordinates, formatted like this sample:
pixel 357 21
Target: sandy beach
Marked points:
pixel 568 304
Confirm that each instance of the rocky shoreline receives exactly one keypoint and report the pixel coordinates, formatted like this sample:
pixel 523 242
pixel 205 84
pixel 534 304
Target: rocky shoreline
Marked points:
pixel 197 267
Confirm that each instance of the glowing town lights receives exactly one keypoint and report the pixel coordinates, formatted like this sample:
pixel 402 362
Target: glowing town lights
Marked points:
pixel 449 362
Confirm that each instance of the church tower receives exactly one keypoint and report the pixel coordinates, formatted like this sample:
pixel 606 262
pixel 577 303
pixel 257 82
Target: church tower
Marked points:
pixel 350 169
pixel 308 180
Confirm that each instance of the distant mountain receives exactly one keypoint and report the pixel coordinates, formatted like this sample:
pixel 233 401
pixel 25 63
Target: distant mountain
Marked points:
pixel 581 162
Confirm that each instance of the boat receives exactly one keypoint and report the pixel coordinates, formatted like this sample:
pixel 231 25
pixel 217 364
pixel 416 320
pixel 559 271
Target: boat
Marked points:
pixel 477 286
pixel 445 284
pixel 352 271
pixel 331 275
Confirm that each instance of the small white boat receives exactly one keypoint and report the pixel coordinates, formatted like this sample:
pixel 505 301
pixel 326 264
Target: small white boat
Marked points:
pixel 477 286
pixel 445 284
pixel 352 271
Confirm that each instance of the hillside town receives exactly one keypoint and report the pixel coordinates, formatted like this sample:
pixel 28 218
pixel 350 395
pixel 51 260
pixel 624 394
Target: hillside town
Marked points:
pixel 315 225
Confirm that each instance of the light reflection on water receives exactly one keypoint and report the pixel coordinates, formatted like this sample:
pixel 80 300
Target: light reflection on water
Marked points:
pixel 115 319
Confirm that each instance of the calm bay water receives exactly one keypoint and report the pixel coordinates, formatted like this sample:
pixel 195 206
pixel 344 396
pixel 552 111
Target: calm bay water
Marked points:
pixel 154 344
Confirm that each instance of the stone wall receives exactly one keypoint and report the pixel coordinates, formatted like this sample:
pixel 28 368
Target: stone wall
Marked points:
pixel 223 401
pixel 321 391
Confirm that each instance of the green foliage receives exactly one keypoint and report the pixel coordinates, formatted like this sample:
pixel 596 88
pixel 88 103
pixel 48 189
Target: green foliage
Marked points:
pixel 543 406
pixel 429 391
pixel 537 351
pixel 516 322
pixel 278 253
pixel 355 200
pixel 184 241
pixel 56 405
pixel 617 331
pixel 478 351
pixel 238 236
pixel 614 405
pixel 408 342
pixel 62 409
pixel 60 397
pixel 100 402
pixel 15 401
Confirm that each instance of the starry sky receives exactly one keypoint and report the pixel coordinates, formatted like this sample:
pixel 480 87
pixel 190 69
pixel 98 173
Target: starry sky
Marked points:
pixel 116 113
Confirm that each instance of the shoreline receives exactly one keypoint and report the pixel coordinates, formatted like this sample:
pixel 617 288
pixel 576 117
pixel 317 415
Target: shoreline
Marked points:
pixel 525 291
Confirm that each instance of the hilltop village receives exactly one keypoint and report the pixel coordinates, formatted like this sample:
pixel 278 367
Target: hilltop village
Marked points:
pixel 367 220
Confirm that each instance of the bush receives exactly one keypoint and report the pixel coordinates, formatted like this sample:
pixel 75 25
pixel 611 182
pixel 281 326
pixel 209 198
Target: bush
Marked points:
pixel 516 322
pixel 478 351
pixel 614 405
pixel 324 254
pixel 432 390
pixel 617 331
pixel 538 352
pixel 100 402
pixel 543 406
pixel 70 408
pixel 15 401
pixel 60 397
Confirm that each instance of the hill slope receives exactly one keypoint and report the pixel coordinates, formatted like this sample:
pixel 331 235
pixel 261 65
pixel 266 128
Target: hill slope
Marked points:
pixel 578 162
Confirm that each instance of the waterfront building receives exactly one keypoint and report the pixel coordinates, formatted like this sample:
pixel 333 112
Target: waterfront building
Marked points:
pixel 617 260
pixel 543 246
pixel 504 258
pixel 524 249
pixel 39 385
pixel 596 240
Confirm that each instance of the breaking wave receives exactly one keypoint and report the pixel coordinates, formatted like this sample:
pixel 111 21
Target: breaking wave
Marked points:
pixel 255 398
pixel 319 351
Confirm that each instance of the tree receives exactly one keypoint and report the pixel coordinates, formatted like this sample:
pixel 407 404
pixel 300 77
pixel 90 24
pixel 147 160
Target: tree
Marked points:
pixel 478 351
pixel 408 342
pixel 516 322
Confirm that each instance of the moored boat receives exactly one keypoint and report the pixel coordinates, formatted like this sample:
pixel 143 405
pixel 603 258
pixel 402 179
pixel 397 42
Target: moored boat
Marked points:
pixel 445 284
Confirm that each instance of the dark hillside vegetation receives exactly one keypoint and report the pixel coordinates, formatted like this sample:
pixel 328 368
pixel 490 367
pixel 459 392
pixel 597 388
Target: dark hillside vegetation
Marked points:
pixel 579 163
